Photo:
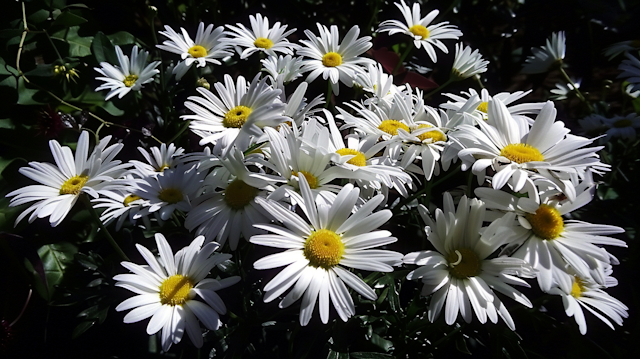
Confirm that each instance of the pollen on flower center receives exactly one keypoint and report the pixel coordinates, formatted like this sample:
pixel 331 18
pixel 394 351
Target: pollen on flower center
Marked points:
pixel 74 184
pixel 359 159
pixel 324 249
pixel 263 42
pixel 577 288
pixel 464 263
pixel 162 168
pixel 197 51
pixel 170 195
pixel 483 107
pixel 391 127
pixel 239 194
pixel 175 290
pixel 622 123
pixel 521 153
pixel 419 30
pixel 434 135
pixel 546 223
pixel 236 117
pixel 331 59
pixel 130 80
pixel 130 198
pixel 311 179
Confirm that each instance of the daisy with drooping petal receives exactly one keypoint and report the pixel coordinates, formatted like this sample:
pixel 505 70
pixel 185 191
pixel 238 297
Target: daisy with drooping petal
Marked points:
pixel 631 71
pixel 283 69
pixel 63 184
pixel 335 236
pixel 420 29
pixel 459 274
pixel 334 60
pixel 546 57
pixel 458 102
pixel 467 63
pixel 130 75
pixel 208 46
pixel 376 82
pixel 261 37
pixel 167 290
pixel 158 160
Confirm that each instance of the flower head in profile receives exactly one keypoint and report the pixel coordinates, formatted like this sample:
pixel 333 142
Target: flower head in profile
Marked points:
pixel 261 37
pixel 62 184
pixel 128 75
pixel 334 237
pixel 467 63
pixel 167 290
pixel 424 34
pixel 631 71
pixel 208 46
pixel 546 57
pixel 622 47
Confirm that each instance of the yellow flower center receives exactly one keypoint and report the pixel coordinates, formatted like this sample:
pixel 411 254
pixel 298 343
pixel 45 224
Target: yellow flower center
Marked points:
pixel 162 168
pixel 263 43
pixel 170 195
pixel 130 198
pixel 236 117
pixel 483 107
pixel 546 223
pixel 197 51
pixel 324 249
pixel 464 263
pixel 238 194
pixel 311 179
pixel 577 288
pixel 419 30
pixel 521 153
pixel 331 59
pixel 435 135
pixel 391 127
pixel 74 184
pixel 359 159
pixel 623 123
pixel 175 290
pixel 130 80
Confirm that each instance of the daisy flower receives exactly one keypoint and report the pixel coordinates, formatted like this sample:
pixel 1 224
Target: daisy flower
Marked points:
pixel 261 37
pixel 621 47
pixel 379 84
pixel 458 102
pixel 467 63
pixel 283 69
pixel 130 75
pixel 334 60
pixel 318 250
pixel 167 290
pixel 420 29
pixel 458 273
pixel 158 159
pixel 118 206
pixel 546 57
pixel 208 46
pixel 564 90
pixel 631 71
pixel 63 184
pixel 621 126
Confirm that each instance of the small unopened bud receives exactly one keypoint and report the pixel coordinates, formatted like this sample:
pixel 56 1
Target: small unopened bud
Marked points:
pixel 202 82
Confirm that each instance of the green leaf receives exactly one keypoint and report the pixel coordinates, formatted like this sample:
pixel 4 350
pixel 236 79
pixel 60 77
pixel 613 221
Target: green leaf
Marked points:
pixel 38 17
pixel 122 38
pixel 79 46
pixel 380 342
pixel 461 345
pixel 56 258
pixel 26 95
pixel 42 70
pixel 81 328
pixel 68 19
pixel 337 355
pixel 370 355
pixel 103 49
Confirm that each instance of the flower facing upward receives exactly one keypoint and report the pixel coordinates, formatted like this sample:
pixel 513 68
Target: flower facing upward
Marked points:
pixel 420 29
pixel 167 289
pixel 546 57
pixel 261 37
pixel 130 75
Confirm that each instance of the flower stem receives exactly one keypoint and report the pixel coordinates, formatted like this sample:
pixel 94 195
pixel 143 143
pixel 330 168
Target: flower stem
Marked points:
pixel 449 81
pixel 104 230
pixel 576 89
pixel 404 56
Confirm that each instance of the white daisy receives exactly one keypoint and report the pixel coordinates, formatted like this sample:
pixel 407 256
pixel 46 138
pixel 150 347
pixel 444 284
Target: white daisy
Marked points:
pixel 631 71
pixel 564 90
pixel 283 69
pixel 481 111
pixel 261 37
pixel 158 160
pixel 420 29
pixel 167 289
pixel 467 63
pixel 622 126
pixel 208 46
pixel 118 206
pixel 130 75
pixel 546 57
pixel 376 82
pixel 459 273
pixel 621 47
pixel 320 248
pixel 62 185
pixel 334 60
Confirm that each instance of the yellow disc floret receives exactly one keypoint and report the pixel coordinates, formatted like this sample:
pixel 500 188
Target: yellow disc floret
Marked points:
pixel 239 194
pixel 577 288
pixel 521 153
pixel 464 263
pixel 483 107
pixel 331 59
pixel 170 195
pixel 130 80
pixel 434 135
pixel 175 290
pixel 263 43
pixel 391 127
pixel 419 30
pixel 74 184
pixel 130 198
pixel 236 117
pixel 324 249
pixel 162 168
pixel 359 159
pixel 546 223
pixel 197 51
pixel 311 179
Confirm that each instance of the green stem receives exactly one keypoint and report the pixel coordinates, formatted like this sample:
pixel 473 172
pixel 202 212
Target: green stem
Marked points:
pixel 576 89
pixel 180 132
pixel 449 81
pixel 404 56
pixel 54 46
pixel 104 230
